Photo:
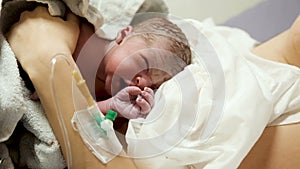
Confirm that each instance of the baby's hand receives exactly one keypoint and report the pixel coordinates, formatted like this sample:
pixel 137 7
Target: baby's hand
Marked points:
pixel 131 102
pixel 145 100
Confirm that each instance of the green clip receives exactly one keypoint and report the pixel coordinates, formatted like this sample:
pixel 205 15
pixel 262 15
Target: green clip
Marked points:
pixel 99 120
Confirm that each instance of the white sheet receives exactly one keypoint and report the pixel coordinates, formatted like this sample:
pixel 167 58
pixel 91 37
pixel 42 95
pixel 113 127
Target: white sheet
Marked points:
pixel 212 119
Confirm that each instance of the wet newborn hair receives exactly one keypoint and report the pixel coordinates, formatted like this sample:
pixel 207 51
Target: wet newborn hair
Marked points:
pixel 162 30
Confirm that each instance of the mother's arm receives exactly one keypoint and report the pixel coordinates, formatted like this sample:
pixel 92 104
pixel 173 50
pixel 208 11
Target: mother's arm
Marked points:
pixel 277 148
pixel 35 39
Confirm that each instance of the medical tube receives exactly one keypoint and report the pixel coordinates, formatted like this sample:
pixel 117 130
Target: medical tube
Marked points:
pixel 81 84
pixel 62 125
pixel 95 129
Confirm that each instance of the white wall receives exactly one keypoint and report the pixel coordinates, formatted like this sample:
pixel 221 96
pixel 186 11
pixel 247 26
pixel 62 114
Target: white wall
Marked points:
pixel 219 10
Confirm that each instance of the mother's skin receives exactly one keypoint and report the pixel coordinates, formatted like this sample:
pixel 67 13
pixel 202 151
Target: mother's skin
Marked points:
pixel 279 146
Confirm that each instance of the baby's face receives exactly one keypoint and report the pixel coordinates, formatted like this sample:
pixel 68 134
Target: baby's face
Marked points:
pixel 126 66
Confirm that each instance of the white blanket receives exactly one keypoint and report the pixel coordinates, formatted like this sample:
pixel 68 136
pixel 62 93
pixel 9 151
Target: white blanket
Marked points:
pixel 211 114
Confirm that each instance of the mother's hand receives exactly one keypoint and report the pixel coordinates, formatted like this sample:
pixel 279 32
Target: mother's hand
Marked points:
pixel 37 33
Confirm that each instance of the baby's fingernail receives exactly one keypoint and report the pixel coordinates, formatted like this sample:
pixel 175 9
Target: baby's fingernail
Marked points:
pixel 139 97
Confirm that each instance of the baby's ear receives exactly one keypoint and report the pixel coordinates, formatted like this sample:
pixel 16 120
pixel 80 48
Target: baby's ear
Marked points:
pixel 123 33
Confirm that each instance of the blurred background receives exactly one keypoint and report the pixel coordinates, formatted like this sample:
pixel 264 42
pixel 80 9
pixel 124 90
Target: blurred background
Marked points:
pixel 219 10
pixel 262 19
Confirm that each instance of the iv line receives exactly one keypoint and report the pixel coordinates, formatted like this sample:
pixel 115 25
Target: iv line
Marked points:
pixel 58 108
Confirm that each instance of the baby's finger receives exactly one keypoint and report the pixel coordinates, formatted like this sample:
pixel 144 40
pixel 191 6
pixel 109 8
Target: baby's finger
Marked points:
pixel 133 90
pixel 149 90
pixel 148 96
pixel 144 105
pixel 131 112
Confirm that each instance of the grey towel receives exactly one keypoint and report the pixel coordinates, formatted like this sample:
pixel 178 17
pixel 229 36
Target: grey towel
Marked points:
pixel 40 149
pixel 5 160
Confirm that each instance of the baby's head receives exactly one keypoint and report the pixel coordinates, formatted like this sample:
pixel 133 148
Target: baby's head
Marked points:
pixel 146 55
pixel 163 34
pixel 173 52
